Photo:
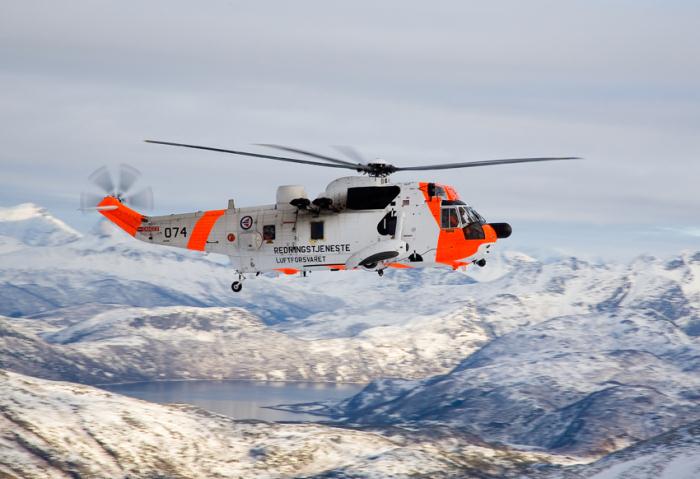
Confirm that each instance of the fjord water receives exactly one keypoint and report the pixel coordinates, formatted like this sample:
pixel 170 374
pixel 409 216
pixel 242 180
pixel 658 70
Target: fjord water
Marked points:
pixel 239 399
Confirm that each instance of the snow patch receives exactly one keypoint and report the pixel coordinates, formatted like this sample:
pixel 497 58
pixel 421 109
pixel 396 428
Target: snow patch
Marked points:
pixel 34 226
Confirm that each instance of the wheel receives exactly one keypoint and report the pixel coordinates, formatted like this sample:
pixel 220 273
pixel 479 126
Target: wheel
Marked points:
pixel 481 263
pixel 236 286
pixel 380 272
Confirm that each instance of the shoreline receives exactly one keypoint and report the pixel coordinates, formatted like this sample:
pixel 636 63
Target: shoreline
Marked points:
pixel 290 381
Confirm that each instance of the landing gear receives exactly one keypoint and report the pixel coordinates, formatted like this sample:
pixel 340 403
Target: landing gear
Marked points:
pixel 380 272
pixel 480 263
pixel 236 286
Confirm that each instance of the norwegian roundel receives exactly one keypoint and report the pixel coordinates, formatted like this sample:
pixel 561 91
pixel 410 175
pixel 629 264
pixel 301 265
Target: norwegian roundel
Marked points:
pixel 246 222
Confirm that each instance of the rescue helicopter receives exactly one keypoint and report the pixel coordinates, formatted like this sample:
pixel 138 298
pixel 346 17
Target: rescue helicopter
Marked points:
pixel 364 222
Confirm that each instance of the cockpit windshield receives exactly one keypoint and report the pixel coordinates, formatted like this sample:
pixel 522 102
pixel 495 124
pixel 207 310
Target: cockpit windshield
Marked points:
pixel 473 216
pixel 458 215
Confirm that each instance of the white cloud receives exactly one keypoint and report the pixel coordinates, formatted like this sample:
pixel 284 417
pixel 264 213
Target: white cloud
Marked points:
pixel 689 231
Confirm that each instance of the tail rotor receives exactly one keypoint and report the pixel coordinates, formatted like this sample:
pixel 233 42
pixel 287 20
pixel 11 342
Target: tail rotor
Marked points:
pixel 122 189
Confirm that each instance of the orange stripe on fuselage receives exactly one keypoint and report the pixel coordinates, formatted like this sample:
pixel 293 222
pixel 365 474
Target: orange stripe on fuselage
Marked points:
pixel 452 246
pixel 202 228
pixel 123 216
pixel 287 270
pixel 400 266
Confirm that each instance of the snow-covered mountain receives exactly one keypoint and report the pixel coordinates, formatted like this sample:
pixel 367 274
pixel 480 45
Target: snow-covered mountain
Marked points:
pixel 563 354
pixel 103 267
pixel 24 352
pixel 57 430
pixel 672 455
pixel 32 225
pixel 179 342
pixel 78 297
pixel 583 357
pixel 587 384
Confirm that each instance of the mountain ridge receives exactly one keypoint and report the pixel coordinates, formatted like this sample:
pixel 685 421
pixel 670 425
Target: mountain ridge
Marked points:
pixel 58 429
pixel 565 354
pixel 33 225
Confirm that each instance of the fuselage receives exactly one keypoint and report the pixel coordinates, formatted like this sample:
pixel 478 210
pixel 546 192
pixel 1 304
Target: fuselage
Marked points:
pixel 357 223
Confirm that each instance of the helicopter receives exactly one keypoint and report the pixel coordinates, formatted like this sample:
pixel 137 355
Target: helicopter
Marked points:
pixel 362 222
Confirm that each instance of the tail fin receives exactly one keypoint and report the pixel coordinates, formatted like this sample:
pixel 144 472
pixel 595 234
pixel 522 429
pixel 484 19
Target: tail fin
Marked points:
pixel 121 215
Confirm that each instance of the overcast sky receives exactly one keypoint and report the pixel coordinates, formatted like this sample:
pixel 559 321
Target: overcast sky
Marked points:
pixel 82 83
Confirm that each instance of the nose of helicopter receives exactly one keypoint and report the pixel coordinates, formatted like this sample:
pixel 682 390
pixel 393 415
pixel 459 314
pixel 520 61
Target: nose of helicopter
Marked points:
pixel 502 230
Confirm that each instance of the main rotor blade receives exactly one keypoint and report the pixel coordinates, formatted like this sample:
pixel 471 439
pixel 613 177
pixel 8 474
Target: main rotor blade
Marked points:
pixel 127 177
pixel 349 166
pixel 102 178
pixel 351 152
pixel 469 164
pixel 308 153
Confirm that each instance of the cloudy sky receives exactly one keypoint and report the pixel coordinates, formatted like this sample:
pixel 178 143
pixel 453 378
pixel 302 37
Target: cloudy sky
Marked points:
pixel 82 83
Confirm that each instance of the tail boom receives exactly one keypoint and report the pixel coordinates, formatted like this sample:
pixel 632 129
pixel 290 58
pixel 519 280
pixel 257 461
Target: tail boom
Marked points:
pixel 120 214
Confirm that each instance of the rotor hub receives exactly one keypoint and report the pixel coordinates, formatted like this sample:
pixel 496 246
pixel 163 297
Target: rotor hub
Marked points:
pixel 379 168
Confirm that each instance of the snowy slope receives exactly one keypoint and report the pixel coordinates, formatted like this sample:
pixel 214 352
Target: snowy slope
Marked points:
pixel 586 384
pixel 102 268
pixel 32 225
pixel 56 430
pixel 24 352
pixel 178 342
pixel 575 356
pixel 672 455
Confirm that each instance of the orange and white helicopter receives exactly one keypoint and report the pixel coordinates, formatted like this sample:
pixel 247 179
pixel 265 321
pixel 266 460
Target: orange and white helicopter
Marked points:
pixel 358 222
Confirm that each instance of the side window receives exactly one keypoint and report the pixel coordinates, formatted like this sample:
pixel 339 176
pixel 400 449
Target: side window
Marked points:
pixel 445 218
pixel 449 218
pixel 268 232
pixel 316 230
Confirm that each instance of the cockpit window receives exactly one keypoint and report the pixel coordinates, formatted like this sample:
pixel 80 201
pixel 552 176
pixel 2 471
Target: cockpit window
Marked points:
pixel 459 216
pixel 449 218
pixel 463 215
